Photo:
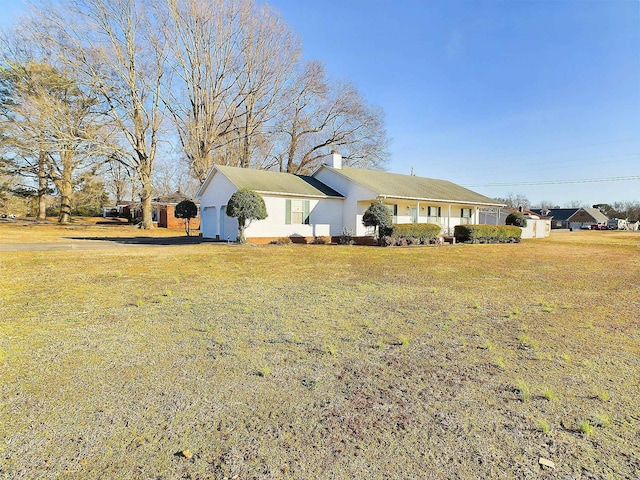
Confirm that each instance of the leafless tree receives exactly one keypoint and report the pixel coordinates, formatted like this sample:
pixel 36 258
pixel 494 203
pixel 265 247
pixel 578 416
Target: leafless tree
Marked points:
pixel 51 123
pixel 203 43
pixel 19 146
pixel 112 47
pixel 322 115
pixel 119 178
pixel 230 62
pixel 515 200
pixel 269 53
pixel 171 176
pixel 576 204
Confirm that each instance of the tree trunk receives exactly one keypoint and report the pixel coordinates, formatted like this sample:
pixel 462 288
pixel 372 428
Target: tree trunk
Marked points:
pixel 66 189
pixel 144 172
pixel 145 199
pixel 42 187
pixel 241 225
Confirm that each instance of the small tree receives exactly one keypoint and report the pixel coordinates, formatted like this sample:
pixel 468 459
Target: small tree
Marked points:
pixel 516 219
pixel 186 210
pixel 379 216
pixel 246 205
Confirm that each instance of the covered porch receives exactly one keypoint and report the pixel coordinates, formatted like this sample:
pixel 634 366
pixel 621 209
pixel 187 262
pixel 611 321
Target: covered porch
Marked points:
pixel 445 214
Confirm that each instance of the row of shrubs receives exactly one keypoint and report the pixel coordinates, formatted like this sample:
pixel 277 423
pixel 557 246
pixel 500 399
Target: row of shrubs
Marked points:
pixel 487 234
pixel 409 234
pixel 425 233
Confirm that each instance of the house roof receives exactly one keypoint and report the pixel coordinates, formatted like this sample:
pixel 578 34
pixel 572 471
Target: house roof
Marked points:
pixel 411 187
pixel 596 214
pixel 268 181
pixel 558 214
pixel 525 212
pixel 175 197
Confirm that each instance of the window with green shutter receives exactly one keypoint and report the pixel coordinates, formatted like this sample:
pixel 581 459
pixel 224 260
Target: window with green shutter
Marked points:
pixel 297 212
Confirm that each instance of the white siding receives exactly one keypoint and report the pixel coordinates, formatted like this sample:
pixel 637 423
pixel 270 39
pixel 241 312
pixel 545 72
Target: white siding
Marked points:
pixel 323 211
pixel 326 213
pixel 357 200
pixel 213 204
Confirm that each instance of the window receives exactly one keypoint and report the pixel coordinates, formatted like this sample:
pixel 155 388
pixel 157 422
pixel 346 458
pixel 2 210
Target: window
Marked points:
pixel 434 211
pixel 465 216
pixel 297 212
pixel 434 214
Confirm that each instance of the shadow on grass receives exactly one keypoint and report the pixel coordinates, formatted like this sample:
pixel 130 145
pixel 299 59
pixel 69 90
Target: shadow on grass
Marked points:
pixel 159 241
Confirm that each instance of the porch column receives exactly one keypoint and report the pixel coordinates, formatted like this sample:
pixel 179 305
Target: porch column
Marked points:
pixel 449 219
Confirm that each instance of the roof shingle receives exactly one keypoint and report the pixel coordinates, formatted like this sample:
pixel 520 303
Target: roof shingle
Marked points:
pixel 412 187
pixel 267 181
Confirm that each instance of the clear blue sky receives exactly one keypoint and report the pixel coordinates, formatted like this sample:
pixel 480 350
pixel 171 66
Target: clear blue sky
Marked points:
pixel 484 92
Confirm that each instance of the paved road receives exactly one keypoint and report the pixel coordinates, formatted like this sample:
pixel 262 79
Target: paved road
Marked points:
pixel 101 243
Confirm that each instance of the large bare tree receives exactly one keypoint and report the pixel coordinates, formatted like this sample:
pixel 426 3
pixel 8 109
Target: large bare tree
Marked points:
pixel 203 41
pixel 269 53
pixel 230 63
pixel 322 115
pixel 113 48
pixel 52 125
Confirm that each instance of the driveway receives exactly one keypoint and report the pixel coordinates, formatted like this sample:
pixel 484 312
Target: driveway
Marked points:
pixel 102 243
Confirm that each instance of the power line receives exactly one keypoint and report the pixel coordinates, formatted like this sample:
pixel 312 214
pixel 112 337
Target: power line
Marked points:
pixel 557 182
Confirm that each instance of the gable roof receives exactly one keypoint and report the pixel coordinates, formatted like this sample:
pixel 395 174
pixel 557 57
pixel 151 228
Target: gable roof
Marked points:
pixel 175 197
pixel 557 214
pixel 268 181
pixel 594 213
pixel 411 187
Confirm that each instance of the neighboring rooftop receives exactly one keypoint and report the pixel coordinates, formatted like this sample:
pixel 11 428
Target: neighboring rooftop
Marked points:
pixel 175 197
pixel 412 187
pixel 558 214
pixel 597 215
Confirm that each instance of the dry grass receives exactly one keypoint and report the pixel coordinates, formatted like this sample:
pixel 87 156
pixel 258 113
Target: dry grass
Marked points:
pixel 29 232
pixel 321 361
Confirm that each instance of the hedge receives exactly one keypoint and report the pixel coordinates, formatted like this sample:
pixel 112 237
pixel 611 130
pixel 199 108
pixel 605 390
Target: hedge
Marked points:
pixel 423 232
pixel 487 233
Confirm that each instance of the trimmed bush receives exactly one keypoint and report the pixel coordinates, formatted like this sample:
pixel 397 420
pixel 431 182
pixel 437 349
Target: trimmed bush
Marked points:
pixel 186 210
pixel 377 215
pixel 246 205
pixel 487 234
pixel 419 232
pixel 516 219
pixel 387 241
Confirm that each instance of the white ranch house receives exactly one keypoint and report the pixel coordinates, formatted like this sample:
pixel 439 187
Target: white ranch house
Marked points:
pixel 333 199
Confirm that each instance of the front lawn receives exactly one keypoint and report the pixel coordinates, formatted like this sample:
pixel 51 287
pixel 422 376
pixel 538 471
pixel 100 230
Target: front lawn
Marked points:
pixel 319 361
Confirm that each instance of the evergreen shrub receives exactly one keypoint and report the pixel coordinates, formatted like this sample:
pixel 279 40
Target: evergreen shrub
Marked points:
pixel 487 234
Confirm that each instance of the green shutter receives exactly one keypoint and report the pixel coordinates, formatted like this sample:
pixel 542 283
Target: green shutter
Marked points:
pixel 287 218
pixel 306 212
pixel 439 211
pixel 395 209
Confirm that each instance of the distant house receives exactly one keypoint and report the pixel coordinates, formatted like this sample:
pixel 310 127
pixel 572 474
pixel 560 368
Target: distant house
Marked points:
pixel 164 209
pixel 538 226
pixel 332 200
pixel 585 217
pixel 559 216
pixel 573 218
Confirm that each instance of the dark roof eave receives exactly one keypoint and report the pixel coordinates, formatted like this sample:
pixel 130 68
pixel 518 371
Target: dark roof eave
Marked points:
pixel 309 195
pixel 442 200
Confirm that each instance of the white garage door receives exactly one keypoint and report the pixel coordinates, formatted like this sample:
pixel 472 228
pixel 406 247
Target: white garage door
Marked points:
pixel 228 225
pixel 209 222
